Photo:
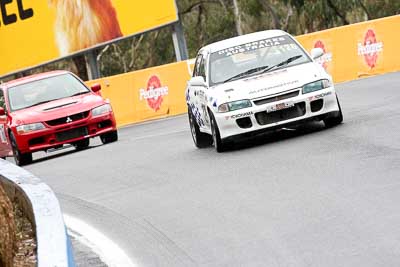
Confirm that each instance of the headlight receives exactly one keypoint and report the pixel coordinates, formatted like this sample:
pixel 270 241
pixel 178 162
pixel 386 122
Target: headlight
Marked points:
pixel 30 127
pixel 315 86
pixel 101 110
pixel 235 105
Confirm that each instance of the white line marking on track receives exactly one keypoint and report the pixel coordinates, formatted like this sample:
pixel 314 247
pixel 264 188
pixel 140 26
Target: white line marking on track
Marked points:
pixel 109 252
pixel 158 135
pixel 151 121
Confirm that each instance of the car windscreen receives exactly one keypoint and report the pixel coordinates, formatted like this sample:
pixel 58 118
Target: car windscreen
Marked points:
pixel 254 58
pixel 45 90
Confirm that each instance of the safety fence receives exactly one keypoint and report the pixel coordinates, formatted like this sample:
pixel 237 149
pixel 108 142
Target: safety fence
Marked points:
pixel 39 204
pixel 358 50
pixel 351 52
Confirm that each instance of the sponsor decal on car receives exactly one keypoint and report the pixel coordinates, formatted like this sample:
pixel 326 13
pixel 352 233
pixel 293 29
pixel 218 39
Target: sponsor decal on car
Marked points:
pixel 154 94
pixel 202 95
pixel 327 57
pixel 279 40
pixel 197 115
pixel 3 138
pixel 315 97
pixel 273 87
pixel 242 115
pixel 188 95
pixel 370 48
pixel 263 75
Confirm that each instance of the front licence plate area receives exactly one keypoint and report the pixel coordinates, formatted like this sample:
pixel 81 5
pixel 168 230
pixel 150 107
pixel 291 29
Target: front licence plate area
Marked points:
pixel 280 106
pixel 71 134
pixel 283 112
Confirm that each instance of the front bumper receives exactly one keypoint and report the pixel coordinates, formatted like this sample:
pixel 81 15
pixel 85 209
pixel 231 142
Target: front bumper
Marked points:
pixel 56 136
pixel 316 105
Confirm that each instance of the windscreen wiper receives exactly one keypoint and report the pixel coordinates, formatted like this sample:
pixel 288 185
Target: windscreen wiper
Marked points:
pixel 40 103
pixel 283 63
pixel 245 73
pixel 80 93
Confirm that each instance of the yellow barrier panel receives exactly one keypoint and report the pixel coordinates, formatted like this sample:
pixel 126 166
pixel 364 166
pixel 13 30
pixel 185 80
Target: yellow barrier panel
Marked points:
pixel 351 52
pixel 358 50
pixel 147 94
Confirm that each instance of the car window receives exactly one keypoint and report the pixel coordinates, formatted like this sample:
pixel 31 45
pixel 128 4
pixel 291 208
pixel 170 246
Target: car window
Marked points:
pixel 202 68
pixel 44 90
pixel 264 53
pixel 2 101
pixel 196 70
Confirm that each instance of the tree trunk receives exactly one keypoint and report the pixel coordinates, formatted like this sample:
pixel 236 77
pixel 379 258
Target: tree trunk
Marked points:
pixel 364 9
pixel 268 7
pixel 238 19
pixel 80 64
pixel 335 9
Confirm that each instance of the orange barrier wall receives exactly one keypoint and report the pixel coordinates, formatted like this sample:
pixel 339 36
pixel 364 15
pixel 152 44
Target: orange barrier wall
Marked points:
pixel 351 52
pixel 358 50
pixel 147 94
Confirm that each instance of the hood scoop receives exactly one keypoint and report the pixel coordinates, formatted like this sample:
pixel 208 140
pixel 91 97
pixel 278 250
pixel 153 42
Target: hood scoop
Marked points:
pixel 59 106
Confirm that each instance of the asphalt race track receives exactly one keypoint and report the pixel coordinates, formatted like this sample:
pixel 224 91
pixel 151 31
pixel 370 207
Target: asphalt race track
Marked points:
pixel 309 197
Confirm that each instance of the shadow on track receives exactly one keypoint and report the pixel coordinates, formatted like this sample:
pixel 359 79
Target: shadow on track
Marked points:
pixel 61 152
pixel 278 136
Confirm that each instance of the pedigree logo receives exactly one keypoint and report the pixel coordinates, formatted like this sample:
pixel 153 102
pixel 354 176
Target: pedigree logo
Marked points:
pixel 326 58
pixel 154 94
pixel 370 49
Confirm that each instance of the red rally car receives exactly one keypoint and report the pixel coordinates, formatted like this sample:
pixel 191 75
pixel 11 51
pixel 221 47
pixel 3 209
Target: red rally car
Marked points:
pixel 49 110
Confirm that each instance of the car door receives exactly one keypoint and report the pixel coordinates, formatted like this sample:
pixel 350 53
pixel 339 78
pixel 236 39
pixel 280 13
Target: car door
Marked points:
pixel 196 93
pixel 202 93
pixel 5 147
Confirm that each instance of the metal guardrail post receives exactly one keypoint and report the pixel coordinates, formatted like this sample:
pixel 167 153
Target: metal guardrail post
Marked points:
pixel 179 40
pixel 93 66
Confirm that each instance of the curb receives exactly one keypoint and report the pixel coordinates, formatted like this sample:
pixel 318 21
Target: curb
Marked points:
pixel 41 206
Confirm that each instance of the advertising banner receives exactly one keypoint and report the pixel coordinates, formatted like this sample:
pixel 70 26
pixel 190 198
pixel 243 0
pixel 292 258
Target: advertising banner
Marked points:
pixel 358 50
pixel 147 94
pixel 34 32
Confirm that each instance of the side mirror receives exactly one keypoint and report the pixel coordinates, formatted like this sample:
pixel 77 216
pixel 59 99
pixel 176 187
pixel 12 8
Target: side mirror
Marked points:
pixel 317 53
pixel 95 87
pixel 2 111
pixel 197 81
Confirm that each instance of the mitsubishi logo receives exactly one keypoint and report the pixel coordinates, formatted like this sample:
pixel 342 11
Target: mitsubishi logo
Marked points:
pixel 68 120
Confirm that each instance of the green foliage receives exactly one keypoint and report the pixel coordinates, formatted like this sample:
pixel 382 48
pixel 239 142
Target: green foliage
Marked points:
pixel 252 7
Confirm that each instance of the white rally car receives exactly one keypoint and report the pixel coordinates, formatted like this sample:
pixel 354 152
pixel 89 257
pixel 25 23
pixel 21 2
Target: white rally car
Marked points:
pixel 255 83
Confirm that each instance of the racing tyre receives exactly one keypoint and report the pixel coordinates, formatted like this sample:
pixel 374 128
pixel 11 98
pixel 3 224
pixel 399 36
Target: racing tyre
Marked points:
pixel 219 144
pixel 201 140
pixel 82 144
pixel 336 120
pixel 20 159
pixel 109 137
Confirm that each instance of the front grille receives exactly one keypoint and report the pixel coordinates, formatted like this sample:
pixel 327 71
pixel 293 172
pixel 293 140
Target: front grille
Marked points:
pixel 71 134
pixel 104 124
pixel 316 105
pixel 36 141
pixel 68 119
pixel 276 98
pixel 297 110
pixel 244 123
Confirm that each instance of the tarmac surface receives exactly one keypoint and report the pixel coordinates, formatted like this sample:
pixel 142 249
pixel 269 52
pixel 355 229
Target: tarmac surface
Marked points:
pixel 309 197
